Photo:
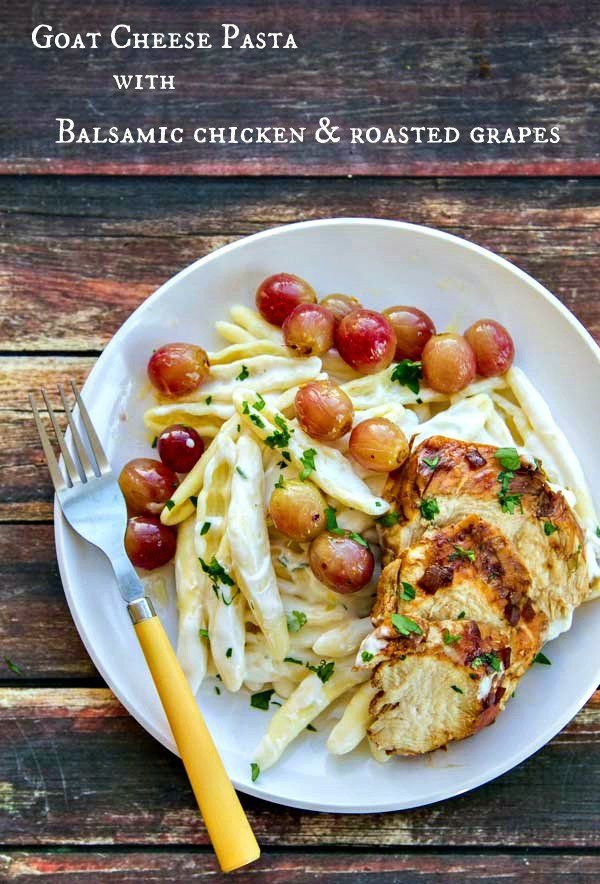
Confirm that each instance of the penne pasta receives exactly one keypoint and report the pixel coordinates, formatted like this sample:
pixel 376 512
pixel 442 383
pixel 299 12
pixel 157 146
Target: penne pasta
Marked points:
pixel 310 698
pixel 262 374
pixel 351 729
pixel 192 638
pixel 181 505
pixel 246 349
pixel 343 639
pixel 247 532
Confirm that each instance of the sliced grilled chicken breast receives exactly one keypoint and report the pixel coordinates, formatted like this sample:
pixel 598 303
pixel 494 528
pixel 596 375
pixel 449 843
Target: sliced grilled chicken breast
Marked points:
pixel 464 570
pixel 445 480
pixel 442 683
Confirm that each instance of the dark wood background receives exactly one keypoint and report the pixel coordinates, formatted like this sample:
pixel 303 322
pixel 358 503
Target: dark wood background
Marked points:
pixel 85 793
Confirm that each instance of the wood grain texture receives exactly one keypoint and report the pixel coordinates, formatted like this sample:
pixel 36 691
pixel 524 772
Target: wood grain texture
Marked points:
pixel 28 867
pixel 369 63
pixel 79 255
pixel 75 768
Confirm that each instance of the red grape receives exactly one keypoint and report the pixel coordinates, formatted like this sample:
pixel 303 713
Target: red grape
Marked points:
pixel 340 305
pixel 378 444
pixel 340 562
pixel 493 347
pixel 448 363
pixel 146 485
pixel 308 330
pixel 366 341
pixel 180 448
pixel 413 329
pixel 298 510
pixel 148 543
pixel 324 410
pixel 277 296
pixel 178 369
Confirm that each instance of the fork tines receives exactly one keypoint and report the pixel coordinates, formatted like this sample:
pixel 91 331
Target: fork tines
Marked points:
pixel 78 465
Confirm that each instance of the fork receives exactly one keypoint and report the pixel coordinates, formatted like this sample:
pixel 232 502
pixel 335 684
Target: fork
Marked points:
pixel 92 503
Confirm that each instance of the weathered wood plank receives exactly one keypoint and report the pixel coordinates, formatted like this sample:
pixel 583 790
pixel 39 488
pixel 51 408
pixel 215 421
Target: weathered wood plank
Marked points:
pixel 36 629
pixel 79 255
pixel 298 868
pixel 361 64
pixel 76 769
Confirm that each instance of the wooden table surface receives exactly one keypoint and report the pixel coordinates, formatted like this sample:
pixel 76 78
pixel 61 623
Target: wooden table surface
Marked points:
pixel 85 793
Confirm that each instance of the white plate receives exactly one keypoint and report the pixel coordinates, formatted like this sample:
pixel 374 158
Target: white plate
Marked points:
pixel 383 263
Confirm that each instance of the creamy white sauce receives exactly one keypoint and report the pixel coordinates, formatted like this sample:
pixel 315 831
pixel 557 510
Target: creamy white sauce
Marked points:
pixel 558 626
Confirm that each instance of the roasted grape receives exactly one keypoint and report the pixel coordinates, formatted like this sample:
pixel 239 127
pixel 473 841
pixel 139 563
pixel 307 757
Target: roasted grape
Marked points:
pixel 148 543
pixel 413 329
pixel 308 330
pixel 146 485
pixel 366 341
pixel 324 410
pixel 340 305
pixel 277 296
pixel 378 444
pixel 341 562
pixel 180 448
pixel 493 347
pixel 448 363
pixel 298 510
pixel 178 369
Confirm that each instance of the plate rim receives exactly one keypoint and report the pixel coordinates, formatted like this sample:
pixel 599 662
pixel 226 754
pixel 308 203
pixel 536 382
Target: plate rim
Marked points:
pixel 62 529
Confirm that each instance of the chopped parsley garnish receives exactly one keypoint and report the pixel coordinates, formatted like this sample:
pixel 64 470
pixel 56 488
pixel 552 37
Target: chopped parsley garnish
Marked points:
pixel 324 670
pixel 281 437
pixel 13 666
pixel 282 465
pixel 295 621
pixel 457 689
pixel 155 442
pixel 231 598
pixel 262 699
pixel 169 504
pixel 429 508
pixel 254 771
pixel 549 528
pixel 431 462
pixel 462 615
pixel 208 400
pixel 541 658
pixel 205 528
pixel 358 538
pixel 311 727
pixel 245 407
pixel 228 652
pixel 366 656
pixel 257 421
pixel 508 501
pixel 449 638
pixel 203 633
pixel 308 463
pixel 193 499
pixel 217 690
pixel 598 531
pixel 241 473
pixel 404 625
pixel 217 575
pixel 331 521
pixel 260 402
pixel 408 592
pixel 461 553
pixel 286 456
pixel 292 660
pixel 491 660
pixel 388 519
pixel 244 373
pixel 280 483
pixel 408 374
pixel 508 458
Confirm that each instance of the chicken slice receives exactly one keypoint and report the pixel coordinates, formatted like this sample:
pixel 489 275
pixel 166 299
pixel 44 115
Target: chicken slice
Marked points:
pixel 464 570
pixel 443 682
pixel 445 480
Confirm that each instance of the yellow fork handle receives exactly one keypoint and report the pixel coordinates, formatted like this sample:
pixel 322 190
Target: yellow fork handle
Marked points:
pixel 229 830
